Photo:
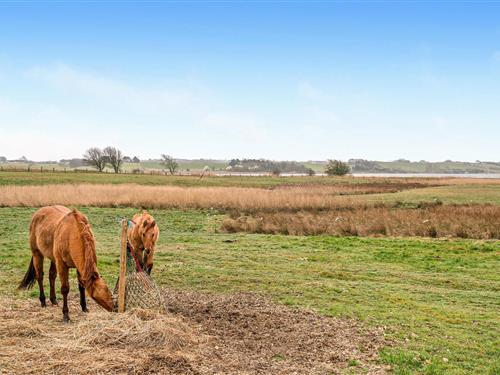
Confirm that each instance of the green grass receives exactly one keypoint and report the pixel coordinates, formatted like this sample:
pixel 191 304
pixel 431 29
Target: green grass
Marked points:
pixel 27 178
pixel 458 194
pixel 439 299
pixel 37 178
pixel 439 167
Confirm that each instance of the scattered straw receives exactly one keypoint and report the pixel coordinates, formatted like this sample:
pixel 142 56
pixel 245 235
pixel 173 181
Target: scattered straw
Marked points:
pixel 34 340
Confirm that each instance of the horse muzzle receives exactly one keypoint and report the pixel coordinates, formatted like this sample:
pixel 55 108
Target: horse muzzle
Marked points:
pixel 147 266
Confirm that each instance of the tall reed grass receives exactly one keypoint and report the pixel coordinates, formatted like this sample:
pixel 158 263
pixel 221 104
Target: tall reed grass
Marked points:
pixel 431 220
pixel 172 197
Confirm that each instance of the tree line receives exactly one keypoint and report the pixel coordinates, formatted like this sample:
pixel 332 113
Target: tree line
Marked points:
pixel 113 157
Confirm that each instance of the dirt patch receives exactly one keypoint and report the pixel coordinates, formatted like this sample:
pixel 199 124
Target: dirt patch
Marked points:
pixel 200 334
pixel 252 335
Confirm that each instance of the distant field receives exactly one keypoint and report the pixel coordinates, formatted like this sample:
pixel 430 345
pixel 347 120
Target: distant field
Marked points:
pixel 38 178
pixel 32 178
pixel 439 167
pixel 197 165
pixel 188 165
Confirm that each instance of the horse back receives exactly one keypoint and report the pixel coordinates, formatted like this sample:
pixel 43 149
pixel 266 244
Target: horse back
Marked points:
pixel 74 244
pixel 42 229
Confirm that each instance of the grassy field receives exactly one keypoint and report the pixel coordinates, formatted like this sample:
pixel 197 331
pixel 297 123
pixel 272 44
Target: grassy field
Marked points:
pixel 36 178
pixel 438 298
pixel 267 182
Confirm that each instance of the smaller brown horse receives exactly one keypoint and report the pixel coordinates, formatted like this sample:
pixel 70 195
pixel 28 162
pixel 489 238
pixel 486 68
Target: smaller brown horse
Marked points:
pixel 143 236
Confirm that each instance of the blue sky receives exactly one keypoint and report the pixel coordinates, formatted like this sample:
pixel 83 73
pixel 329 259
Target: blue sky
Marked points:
pixel 280 80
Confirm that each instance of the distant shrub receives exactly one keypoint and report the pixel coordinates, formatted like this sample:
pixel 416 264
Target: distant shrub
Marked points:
pixel 337 168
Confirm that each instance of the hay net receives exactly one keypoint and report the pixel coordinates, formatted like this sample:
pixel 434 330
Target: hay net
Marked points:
pixel 140 289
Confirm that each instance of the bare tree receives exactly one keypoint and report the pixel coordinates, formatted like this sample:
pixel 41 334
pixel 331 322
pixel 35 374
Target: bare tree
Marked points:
pixel 95 157
pixel 114 157
pixel 169 163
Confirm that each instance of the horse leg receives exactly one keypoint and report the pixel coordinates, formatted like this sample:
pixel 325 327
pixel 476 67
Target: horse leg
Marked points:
pixel 62 271
pixel 81 288
pixel 52 280
pixel 38 265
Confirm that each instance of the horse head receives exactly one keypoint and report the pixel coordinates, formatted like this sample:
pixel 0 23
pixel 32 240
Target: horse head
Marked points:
pixel 100 292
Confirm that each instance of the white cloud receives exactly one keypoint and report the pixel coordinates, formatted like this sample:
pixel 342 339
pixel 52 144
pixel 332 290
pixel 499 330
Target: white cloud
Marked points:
pixel 322 116
pixel 308 91
pixel 75 82
pixel 70 110
pixel 440 122
pixel 238 125
pixel 316 111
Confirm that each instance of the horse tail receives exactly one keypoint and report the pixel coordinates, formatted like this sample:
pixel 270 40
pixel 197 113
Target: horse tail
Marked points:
pixel 89 273
pixel 29 278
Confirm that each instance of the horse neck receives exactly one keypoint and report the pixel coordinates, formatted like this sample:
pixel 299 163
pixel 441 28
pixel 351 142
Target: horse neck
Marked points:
pixel 136 238
pixel 87 268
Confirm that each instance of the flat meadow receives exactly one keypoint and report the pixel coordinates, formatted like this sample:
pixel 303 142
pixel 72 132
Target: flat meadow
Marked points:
pixel 414 259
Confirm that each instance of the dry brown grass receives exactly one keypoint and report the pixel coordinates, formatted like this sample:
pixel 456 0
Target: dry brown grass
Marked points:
pixel 465 221
pixel 310 197
pixel 171 197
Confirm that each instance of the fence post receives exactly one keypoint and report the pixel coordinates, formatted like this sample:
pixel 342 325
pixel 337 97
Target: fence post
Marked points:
pixel 123 268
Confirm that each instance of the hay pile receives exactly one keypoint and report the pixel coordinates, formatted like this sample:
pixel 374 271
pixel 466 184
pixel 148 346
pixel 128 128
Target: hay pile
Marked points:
pixel 34 341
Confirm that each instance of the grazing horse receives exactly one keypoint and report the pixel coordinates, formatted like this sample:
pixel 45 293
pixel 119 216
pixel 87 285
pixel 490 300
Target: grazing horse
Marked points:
pixel 65 237
pixel 142 236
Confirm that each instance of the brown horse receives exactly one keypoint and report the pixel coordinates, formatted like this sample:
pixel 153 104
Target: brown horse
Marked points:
pixel 65 237
pixel 143 236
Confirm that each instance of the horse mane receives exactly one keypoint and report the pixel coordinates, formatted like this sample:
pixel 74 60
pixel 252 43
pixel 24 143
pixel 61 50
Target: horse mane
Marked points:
pixel 90 268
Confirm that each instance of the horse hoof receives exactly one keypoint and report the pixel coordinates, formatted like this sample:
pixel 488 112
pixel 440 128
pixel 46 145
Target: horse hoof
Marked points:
pixel 85 310
pixel 54 302
pixel 66 319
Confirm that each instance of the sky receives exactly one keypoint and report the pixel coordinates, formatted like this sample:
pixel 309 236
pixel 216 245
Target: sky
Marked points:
pixel 282 80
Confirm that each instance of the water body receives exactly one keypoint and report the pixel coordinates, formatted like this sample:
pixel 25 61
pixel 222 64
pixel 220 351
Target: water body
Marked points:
pixel 430 175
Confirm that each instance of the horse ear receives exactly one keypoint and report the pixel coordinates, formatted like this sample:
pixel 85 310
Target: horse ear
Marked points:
pixel 145 223
pixel 152 225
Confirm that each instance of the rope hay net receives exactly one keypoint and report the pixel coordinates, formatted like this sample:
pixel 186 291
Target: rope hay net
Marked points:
pixel 140 289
